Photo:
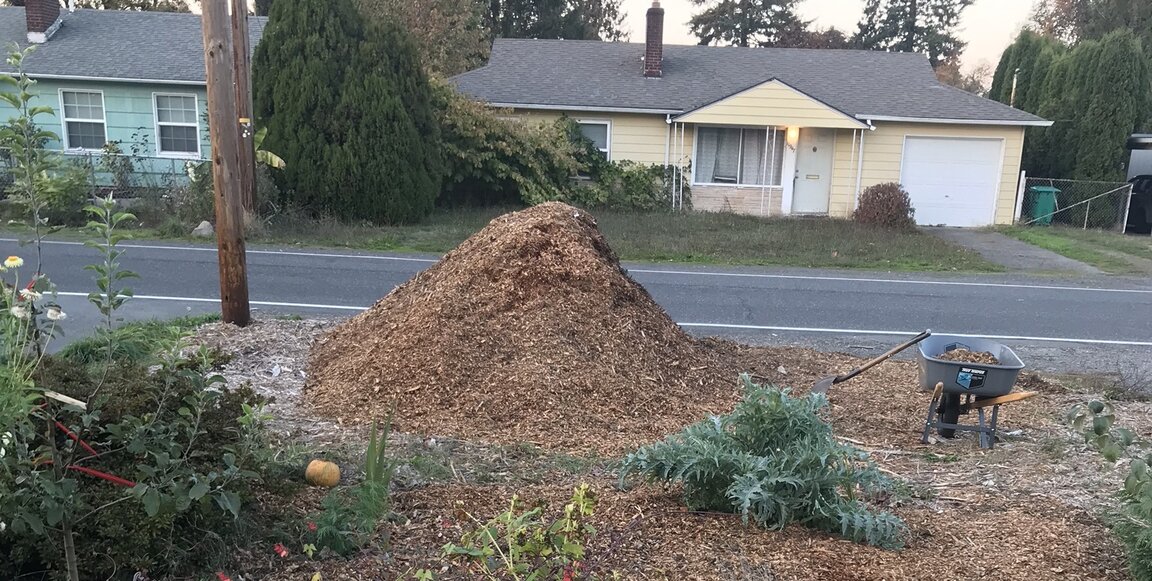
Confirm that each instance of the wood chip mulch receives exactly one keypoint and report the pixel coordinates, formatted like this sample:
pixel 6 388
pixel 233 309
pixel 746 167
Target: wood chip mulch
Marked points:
pixel 965 356
pixel 646 534
pixel 529 331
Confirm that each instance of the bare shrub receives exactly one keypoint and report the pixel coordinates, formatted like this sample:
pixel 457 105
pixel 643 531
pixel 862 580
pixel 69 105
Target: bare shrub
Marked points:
pixel 887 205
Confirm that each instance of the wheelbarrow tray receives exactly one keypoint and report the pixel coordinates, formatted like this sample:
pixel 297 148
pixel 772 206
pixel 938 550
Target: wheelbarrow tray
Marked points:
pixel 977 379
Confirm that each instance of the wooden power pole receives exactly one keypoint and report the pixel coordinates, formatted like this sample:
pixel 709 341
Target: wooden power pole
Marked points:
pixel 222 119
pixel 241 49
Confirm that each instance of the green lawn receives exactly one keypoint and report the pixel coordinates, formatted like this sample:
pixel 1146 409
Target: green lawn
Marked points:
pixel 705 238
pixel 1108 251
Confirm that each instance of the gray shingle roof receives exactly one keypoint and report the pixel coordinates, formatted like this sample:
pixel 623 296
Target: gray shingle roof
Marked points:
pixel 117 45
pixel 575 74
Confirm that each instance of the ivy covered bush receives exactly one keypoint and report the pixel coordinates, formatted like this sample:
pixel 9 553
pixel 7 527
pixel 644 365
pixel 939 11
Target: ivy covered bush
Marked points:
pixel 496 158
pixel 774 461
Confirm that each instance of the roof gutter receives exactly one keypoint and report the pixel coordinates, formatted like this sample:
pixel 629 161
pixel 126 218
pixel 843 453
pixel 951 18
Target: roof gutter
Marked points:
pixel 585 108
pixel 110 79
pixel 1038 123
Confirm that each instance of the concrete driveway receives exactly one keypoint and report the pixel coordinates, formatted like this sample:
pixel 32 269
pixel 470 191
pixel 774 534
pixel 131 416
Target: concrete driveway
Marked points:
pixel 1013 254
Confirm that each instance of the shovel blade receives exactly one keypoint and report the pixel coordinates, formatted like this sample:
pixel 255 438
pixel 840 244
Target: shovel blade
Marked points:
pixel 823 385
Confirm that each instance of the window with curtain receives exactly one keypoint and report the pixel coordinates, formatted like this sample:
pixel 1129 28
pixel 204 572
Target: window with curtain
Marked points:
pixel 737 156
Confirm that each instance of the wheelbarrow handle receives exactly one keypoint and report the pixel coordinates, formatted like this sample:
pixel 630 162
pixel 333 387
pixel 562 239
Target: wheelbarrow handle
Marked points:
pixel 870 364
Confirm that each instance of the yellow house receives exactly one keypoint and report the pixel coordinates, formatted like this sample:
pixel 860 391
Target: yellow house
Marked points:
pixel 772 131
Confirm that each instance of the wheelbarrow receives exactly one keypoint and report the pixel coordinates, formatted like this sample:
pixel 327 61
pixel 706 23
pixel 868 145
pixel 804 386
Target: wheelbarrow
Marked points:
pixel 825 383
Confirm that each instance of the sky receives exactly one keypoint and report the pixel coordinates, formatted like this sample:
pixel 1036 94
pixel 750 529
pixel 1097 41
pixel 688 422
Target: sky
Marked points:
pixel 988 25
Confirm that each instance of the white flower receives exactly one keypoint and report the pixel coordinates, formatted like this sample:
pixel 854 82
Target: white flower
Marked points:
pixel 55 314
pixel 5 440
pixel 30 294
pixel 13 262
pixel 2 526
pixel 19 312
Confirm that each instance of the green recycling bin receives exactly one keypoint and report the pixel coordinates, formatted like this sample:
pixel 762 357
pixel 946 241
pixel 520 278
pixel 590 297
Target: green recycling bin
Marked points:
pixel 1040 203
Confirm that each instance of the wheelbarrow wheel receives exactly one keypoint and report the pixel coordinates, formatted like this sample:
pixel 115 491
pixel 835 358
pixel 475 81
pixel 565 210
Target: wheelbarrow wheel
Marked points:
pixel 949 414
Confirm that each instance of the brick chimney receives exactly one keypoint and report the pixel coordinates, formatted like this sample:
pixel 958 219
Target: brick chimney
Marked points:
pixel 43 18
pixel 654 42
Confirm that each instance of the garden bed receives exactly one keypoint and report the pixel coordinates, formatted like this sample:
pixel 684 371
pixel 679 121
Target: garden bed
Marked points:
pixel 1028 509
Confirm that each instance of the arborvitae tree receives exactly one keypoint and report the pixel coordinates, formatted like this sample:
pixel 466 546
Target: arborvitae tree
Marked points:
pixel 748 22
pixel 927 26
pixel 347 107
pixel 1003 73
pixel 1119 95
pixel 1031 54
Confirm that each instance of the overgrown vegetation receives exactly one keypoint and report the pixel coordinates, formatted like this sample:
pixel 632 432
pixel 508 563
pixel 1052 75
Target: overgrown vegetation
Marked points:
pixel 107 463
pixel 887 205
pixel 774 461
pixel 1133 523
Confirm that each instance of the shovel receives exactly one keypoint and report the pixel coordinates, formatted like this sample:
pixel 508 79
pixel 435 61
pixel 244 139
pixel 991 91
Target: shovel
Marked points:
pixel 827 382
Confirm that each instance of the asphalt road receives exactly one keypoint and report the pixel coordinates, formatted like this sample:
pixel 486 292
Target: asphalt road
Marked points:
pixel 1071 324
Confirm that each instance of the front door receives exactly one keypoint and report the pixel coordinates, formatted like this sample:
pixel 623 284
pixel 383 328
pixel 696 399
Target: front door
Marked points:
pixel 813 171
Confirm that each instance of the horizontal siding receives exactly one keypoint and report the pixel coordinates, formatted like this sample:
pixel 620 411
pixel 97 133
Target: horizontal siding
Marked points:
pixel 128 111
pixel 754 201
pixel 884 152
pixel 770 104
pixel 634 137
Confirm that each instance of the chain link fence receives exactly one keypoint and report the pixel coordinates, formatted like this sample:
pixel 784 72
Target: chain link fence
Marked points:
pixel 1076 203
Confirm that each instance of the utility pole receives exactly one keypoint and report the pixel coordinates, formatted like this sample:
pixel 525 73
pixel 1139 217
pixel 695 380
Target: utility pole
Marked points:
pixel 243 64
pixel 1012 98
pixel 234 307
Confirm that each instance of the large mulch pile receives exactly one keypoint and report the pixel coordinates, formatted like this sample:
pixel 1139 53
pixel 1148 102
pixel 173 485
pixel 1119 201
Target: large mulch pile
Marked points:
pixel 529 331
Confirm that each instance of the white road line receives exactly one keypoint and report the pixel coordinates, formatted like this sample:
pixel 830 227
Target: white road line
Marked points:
pixel 894 281
pixel 875 332
pixel 655 271
pixel 249 251
pixel 702 325
pixel 200 300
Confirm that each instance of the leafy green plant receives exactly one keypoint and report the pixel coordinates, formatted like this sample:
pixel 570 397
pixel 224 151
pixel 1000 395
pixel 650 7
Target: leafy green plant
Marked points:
pixel 1133 522
pixel 775 461
pixel 526 545
pixel 109 273
pixel 34 167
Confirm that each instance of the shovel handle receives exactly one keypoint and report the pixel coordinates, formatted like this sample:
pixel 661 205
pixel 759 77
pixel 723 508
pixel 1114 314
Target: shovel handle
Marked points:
pixel 870 364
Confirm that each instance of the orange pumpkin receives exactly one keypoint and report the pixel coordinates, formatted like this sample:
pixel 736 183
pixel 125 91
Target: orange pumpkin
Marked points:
pixel 322 473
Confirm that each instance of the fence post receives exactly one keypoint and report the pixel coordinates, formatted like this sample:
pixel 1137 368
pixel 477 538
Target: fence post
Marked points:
pixel 1020 195
pixel 1087 211
pixel 1127 208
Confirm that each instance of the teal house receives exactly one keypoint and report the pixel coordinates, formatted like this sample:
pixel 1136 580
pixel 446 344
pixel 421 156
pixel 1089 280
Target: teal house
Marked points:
pixel 133 79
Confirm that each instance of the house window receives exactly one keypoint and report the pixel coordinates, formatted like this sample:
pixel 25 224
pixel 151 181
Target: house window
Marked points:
pixel 597 132
pixel 177 125
pixel 83 119
pixel 736 156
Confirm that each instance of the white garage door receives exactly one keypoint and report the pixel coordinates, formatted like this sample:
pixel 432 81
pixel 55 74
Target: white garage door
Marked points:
pixel 952 182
